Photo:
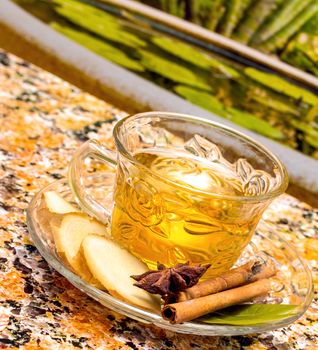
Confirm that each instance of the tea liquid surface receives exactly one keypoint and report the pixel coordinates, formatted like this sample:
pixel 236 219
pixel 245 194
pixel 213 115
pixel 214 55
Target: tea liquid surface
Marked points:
pixel 171 217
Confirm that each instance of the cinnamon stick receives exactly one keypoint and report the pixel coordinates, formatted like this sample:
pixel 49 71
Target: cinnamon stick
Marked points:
pixel 194 308
pixel 252 271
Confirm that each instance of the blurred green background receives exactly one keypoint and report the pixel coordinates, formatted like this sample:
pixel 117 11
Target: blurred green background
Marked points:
pixel 260 101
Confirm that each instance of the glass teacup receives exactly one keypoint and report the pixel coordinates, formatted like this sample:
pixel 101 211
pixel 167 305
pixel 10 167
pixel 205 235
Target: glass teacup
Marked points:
pixel 186 189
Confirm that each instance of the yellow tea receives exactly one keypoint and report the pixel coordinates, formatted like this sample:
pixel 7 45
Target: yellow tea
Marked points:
pixel 164 210
pixel 186 189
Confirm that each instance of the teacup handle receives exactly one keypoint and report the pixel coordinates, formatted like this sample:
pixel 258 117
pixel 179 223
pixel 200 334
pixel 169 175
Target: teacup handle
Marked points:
pixel 93 149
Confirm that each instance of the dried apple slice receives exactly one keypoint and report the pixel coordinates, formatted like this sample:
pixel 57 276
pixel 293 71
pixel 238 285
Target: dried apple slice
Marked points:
pixel 57 204
pixel 112 266
pixel 68 237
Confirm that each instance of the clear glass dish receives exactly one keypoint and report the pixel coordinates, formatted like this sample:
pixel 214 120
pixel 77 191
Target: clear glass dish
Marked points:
pixel 294 283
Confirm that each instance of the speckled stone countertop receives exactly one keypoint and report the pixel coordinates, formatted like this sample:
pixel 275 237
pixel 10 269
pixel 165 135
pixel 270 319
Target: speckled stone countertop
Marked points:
pixel 42 121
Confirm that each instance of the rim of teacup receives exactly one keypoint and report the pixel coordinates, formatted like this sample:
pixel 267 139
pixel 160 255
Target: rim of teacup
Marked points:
pixel 187 117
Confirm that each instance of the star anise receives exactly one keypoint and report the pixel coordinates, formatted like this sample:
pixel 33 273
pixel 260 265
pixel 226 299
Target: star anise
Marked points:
pixel 167 281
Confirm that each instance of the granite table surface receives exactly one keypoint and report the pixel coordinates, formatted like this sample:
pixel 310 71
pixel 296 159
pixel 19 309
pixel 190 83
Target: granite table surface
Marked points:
pixel 43 120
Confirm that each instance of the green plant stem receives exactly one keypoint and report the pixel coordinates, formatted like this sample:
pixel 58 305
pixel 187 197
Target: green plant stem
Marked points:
pixel 255 17
pixel 233 15
pixel 215 15
pixel 207 13
pixel 280 19
pixel 279 40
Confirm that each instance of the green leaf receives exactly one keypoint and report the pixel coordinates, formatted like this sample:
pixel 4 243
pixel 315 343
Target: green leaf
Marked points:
pixel 171 70
pixel 245 119
pixel 281 85
pixel 100 47
pixel 246 315
pixel 298 57
pixel 97 22
pixel 202 99
pixel 306 128
pixel 181 50
pixel 307 44
pixel 312 26
pixel 277 105
pixel 250 121
pixel 313 141
pixel 192 55
pixel 80 7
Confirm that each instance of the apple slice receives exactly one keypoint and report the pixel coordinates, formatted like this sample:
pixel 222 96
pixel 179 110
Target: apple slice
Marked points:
pixel 57 204
pixel 112 266
pixel 68 236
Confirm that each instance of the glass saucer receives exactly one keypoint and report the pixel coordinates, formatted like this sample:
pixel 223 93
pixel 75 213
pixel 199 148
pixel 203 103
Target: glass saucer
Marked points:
pixel 294 281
